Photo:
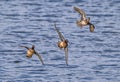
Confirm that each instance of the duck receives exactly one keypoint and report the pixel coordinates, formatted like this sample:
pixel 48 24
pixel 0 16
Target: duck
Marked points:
pixel 31 51
pixel 62 44
pixel 84 21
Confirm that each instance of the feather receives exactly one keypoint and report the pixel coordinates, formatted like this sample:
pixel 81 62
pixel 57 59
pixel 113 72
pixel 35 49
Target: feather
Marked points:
pixel 59 33
pixel 81 12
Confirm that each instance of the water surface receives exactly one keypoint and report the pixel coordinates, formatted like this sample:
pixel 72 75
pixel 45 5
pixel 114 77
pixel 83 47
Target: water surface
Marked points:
pixel 93 57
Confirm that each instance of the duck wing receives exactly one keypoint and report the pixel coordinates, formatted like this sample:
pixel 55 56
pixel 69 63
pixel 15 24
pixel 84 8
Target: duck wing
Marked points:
pixel 59 33
pixel 66 54
pixel 81 12
pixel 25 47
pixel 39 57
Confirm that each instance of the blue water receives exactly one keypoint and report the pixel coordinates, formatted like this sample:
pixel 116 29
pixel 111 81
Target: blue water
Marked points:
pixel 93 57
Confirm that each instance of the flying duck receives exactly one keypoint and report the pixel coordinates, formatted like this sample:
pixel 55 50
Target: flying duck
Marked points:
pixel 31 51
pixel 63 43
pixel 84 21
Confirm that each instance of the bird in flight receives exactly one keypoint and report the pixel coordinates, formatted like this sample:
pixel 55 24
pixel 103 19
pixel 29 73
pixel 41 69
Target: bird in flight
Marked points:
pixel 63 43
pixel 83 20
pixel 31 51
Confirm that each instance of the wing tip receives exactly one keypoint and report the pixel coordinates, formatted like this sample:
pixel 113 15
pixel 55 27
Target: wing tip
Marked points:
pixel 75 8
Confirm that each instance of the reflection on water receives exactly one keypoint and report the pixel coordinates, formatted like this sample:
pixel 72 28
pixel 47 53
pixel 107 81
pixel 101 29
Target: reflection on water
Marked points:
pixel 93 57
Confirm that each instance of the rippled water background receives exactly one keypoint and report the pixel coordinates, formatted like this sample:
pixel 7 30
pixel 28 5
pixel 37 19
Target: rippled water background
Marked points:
pixel 93 57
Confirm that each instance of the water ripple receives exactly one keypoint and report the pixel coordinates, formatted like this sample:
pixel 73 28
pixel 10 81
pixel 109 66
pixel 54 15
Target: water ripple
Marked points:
pixel 93 57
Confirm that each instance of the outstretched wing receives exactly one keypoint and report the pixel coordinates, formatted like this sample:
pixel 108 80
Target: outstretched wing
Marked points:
pixel 66 54
pixel 59 33
pixel 80 11
pixel 25 47
pixel 39 57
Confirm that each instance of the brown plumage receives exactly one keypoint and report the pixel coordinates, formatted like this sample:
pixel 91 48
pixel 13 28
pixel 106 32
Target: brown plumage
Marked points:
pixel 83 20
pixel 63 43
pixel 31 51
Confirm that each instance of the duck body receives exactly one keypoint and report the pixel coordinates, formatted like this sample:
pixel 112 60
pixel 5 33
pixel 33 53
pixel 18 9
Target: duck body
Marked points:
pixel 82 23
pixel 62 44
pixel 30 53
